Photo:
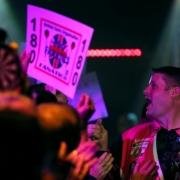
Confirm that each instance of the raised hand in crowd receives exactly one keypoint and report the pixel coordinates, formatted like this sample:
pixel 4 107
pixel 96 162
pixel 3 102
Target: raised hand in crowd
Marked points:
pixel 82 159
pixel 104 167
pixel 97 133
pixel 85 107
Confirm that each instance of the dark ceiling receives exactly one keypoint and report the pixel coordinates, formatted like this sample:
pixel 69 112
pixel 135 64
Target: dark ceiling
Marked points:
pixel 117 24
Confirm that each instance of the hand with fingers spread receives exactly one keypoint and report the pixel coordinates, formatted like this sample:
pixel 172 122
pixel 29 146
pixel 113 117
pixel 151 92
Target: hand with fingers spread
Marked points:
pixel 102 166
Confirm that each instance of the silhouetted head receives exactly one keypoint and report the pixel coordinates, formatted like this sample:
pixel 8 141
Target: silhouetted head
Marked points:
pixel 22 148
pixel 60 122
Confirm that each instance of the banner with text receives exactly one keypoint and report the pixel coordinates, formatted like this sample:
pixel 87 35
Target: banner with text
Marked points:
pixel 58 46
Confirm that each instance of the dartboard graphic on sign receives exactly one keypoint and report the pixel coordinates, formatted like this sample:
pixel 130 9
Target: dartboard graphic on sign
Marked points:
pixel 58 51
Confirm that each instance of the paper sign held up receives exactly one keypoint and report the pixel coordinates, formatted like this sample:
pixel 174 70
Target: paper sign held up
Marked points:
pixel 58 46
pixel 89 84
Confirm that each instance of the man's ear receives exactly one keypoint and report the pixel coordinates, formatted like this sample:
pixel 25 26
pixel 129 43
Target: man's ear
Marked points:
pixel 175 91
pixel 62 152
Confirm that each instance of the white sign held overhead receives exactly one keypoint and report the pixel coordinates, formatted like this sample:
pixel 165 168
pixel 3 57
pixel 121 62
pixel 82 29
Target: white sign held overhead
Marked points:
pixel 58 46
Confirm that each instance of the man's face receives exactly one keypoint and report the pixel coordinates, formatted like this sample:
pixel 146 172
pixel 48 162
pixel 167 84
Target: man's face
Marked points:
pixel 159 102
pixel 93 131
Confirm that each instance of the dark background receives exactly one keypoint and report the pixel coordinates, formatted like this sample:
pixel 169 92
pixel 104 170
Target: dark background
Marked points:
pixel 117 24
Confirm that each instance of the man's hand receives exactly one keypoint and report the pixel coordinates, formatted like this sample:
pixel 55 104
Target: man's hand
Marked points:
pixel 102 166
pixel 97 133
pixel 145 171
pixel 85 108
pixel 81 159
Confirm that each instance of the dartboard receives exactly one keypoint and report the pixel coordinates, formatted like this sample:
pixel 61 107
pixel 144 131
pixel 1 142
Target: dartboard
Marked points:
pixel 58 49
pixel 10 70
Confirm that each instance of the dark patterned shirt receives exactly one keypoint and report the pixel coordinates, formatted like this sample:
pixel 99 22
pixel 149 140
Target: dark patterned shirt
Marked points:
pixel 168 149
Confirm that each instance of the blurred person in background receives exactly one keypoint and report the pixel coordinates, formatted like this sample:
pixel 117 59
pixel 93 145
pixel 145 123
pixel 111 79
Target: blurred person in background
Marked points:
pixel 105 167
pixel 22 146
pixel 70 156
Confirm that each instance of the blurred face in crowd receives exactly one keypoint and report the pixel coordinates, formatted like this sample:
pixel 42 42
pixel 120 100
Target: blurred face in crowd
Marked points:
pixel 91 131
pixel 98 134
pixel 158 96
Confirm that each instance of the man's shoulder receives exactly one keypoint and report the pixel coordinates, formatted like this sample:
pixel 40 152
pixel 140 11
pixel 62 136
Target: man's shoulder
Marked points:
pixel 139 130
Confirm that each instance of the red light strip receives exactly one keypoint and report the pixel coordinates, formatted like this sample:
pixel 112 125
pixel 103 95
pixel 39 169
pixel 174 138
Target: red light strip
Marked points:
pixel 114 53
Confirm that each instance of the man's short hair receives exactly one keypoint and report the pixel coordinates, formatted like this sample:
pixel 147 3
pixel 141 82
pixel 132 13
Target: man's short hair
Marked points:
pixel 60 122
pixel 172 74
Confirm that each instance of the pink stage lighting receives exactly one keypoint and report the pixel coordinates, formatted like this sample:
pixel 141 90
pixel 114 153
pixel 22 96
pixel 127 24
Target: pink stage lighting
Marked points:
pixel 107 53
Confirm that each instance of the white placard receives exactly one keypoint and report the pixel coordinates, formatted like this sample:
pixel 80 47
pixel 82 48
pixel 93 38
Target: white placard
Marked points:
pixel 89 84
pixel 58 46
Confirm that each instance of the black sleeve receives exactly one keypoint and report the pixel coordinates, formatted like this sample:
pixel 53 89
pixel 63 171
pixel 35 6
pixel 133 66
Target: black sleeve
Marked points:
pixel 116 150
